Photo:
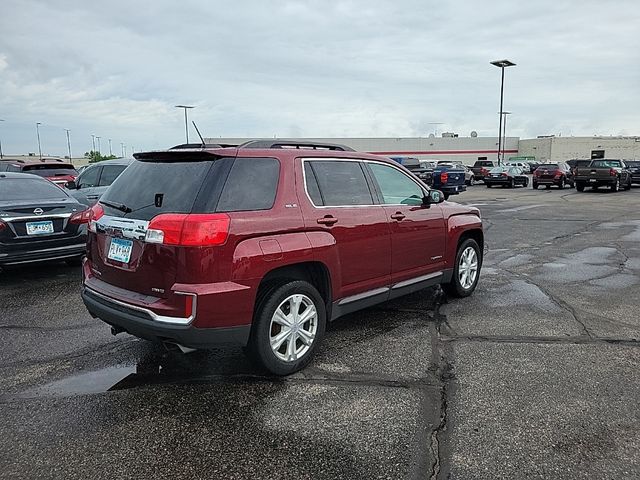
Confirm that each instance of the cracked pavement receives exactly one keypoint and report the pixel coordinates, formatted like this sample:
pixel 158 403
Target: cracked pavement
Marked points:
pixel 534 376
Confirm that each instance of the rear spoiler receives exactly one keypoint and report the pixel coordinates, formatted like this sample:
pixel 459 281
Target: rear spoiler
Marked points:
pixel 186 155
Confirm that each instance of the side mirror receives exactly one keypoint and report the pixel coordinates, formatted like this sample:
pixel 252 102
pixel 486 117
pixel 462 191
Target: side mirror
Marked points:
pixel 71 185
pixel 433 197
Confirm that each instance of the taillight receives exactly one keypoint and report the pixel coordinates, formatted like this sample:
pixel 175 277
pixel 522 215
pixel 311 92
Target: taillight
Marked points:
pixel 95 213
pixel 2 225
pixel 484 171
pixel 612 172
pixel 444 176
pixel 505 174
pixel 79 218
pixel 194 230
pixel 558 173
pixel 536 172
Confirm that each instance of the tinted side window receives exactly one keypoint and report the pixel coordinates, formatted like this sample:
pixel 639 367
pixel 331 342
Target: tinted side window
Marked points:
pixel 110 173
pixel 13 168
pixel 312 185
pixel 251 185
pixel 395 186
pixel 89 177
pixel 342 183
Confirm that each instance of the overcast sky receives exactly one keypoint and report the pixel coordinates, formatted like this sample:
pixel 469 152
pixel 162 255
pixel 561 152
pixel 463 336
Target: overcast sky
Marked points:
pixel 312 68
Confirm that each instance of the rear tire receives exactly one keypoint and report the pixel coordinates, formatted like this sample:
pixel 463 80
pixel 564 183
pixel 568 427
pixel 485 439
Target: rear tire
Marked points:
pixel 74 262
pixel 579 187
pixel 561 184
pixel 461 285
pixel 535 186
pixel 547 187
pixel 628 187
pixel 489 185
pixel 273 312
pixel 616 186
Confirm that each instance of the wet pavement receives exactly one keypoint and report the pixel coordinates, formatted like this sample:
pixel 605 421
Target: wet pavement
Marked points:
pixel 534 376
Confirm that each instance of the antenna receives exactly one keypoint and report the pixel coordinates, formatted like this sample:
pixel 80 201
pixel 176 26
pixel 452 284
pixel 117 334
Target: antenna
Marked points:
pixel 196 127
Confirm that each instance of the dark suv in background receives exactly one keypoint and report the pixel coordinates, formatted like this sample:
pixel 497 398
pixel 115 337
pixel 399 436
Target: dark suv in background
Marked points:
pixel 558 174
pixel 262 244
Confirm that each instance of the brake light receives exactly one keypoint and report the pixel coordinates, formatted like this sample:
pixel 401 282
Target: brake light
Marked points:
pixel 2 225
pixel 505 174
pixel 484 171
pixel 444 176
pixel 79 218
pixel 95 213
pixel 193 230
pixel 537 172
pixel 613 172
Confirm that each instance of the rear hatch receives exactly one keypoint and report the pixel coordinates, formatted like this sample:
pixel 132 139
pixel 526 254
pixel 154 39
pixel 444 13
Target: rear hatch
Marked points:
pixel 34 214
pixel 58 173
pixel 455 175
pixel 160 184
pixel 547 171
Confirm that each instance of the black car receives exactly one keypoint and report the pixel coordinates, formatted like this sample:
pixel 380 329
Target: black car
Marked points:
pixel 558 174
pixel 39 221
pixel 506 177
pixel 533 166
pixel 634 168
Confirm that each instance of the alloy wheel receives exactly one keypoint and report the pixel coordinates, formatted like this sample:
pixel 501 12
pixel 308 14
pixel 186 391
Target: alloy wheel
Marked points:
pixel 293 328
pixel 468 267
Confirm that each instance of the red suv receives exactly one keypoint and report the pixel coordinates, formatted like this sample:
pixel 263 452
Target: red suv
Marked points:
pixel 262 244
pixel 53 169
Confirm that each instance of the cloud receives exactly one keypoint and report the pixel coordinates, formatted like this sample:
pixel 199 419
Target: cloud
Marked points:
pixel 312 68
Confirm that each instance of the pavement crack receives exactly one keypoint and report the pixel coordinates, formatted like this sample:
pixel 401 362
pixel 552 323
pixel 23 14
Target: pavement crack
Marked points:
pixel 567 340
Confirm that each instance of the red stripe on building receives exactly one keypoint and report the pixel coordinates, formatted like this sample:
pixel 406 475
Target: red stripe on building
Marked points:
pixel 443 152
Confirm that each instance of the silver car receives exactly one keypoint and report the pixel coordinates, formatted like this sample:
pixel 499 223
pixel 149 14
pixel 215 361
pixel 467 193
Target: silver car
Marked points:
pixel 96 179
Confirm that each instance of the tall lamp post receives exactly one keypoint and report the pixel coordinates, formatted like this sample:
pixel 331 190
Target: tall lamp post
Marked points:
pixel 38 134
pixel 93 143
pixel 504 132
pixel 99 149
pixel 186 122
pixel 502 64
pixel 110 152
pixel 69 144
pixel 122 148
pixel 1 155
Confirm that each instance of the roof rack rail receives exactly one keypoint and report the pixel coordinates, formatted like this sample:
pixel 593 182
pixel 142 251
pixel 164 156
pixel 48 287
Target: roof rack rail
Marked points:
pixel 295 144
pixel 200 146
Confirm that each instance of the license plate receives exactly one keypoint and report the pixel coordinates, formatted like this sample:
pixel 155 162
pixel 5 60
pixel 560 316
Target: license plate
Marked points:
pixel 592 180
pixel 39 228
pixel 120 250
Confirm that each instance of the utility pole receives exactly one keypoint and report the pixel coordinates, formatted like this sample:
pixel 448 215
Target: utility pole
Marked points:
pixel 68 144
pixel 1 155
pixel 99 149
pixel 110 152
pixel 93 143
pixel 186 122
pixel 501 64
pixel 124 154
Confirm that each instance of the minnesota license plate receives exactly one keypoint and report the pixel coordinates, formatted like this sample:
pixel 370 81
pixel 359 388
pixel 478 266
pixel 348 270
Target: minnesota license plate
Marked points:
pixel 120 250
pixel 39 228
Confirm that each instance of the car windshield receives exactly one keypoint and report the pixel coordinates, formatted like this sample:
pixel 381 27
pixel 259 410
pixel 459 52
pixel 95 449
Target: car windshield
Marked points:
pixel 49 170
pixel 18 189
pixel 606 163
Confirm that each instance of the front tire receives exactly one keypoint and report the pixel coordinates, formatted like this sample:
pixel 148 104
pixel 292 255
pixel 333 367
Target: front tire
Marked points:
pixel 561 184
pixel 535 186
pixel 467 270
pixel 289 324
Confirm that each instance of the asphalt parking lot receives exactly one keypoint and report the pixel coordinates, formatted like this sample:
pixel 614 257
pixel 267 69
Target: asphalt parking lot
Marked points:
pixel 534 376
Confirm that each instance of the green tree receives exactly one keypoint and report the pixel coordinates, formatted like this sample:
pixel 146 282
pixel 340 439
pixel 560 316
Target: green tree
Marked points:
pixel 97 156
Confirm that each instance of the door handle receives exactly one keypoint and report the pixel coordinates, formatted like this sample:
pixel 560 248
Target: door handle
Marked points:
pixel 327 220
pixel 398 216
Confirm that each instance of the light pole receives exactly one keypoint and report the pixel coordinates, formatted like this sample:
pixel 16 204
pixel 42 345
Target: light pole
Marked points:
pixel 99 149
pixel 186 122
pixel 122 148
pixel 93 143
pixel 38 134
pixel 504 132
pixel 110 152
pixel 69 144
pixel 1 155
pixel 502 64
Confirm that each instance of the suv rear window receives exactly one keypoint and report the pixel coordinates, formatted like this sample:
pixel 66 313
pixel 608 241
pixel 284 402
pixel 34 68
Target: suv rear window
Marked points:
pixel 27 189
pixel 605 163
pixel 251 185
pixel 483 163
pixel 50 170
pixel 144 185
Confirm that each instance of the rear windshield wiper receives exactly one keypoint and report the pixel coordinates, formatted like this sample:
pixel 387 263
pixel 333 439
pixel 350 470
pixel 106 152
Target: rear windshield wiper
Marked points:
pixel 118 206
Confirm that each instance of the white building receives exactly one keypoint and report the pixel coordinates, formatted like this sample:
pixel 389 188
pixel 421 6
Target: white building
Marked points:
pixel 557 149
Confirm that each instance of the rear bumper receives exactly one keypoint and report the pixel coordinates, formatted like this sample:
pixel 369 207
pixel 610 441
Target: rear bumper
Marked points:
pixel 138 323
pixel 546 181
pixel 596 182
pixel 452 190
pixel 53 252
pixel 635 178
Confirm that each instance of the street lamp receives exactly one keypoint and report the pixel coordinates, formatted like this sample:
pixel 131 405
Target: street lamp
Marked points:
pixel 99 149
pixel 504 132
pixel 122 148
pixel 1 143
pixel 38 133
pixel 69 144
pixel 93 143
pixel 186 123
pixel 502 64
pixel 110 152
